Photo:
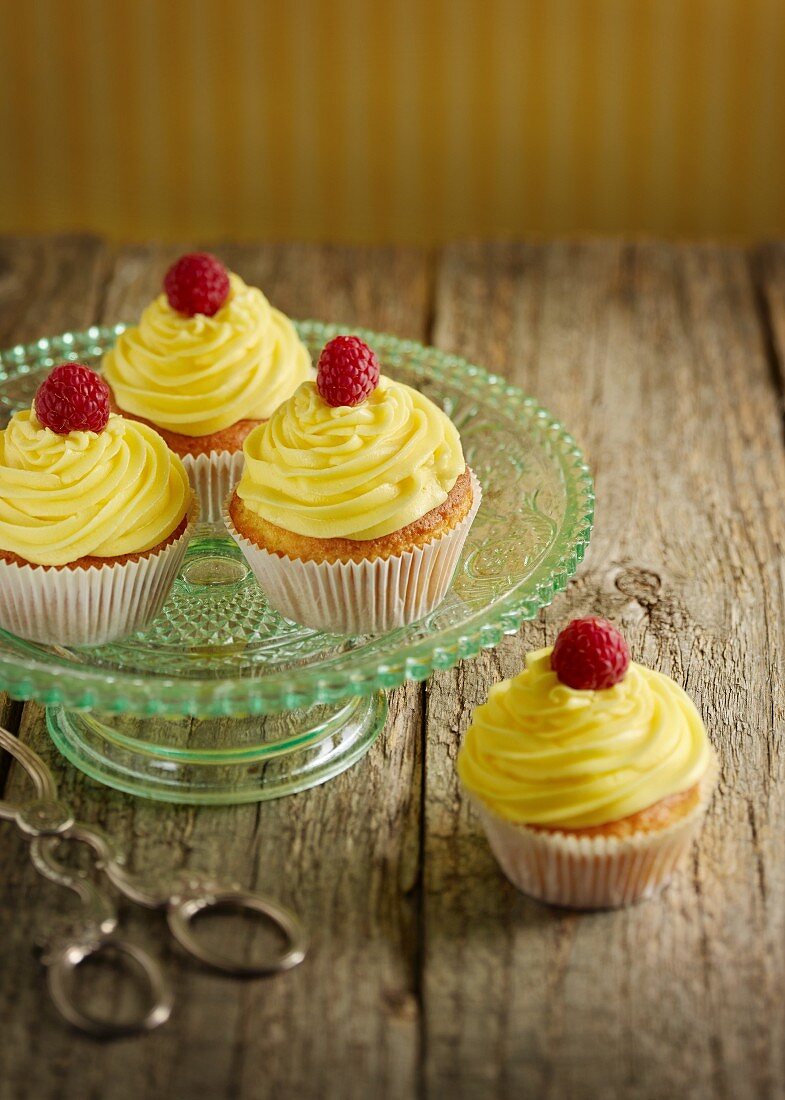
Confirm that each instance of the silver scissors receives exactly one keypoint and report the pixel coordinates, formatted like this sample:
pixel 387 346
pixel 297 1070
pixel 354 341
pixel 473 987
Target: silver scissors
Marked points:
pixel 48 823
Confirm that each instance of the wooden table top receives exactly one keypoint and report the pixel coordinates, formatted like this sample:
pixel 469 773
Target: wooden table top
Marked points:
pixel 429 974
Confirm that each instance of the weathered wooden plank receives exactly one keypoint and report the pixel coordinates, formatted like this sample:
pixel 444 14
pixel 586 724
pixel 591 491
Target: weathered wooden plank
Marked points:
pixel 49 285
pixel 768 265
pixel 346 855
pixel 656 358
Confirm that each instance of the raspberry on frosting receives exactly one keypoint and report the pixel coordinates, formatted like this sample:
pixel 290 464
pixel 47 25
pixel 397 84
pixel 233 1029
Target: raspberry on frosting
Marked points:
pixel 73 399
pixel 197 283
pixel 347 372
pixel 590 654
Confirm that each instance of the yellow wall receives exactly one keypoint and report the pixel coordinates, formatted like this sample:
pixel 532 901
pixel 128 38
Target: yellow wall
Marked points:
pixel 408 120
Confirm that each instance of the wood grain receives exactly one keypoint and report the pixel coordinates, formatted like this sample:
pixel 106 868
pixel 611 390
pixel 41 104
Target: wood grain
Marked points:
pixel 430 976
pixel 656 358
pixel 345 855
pixel 50 285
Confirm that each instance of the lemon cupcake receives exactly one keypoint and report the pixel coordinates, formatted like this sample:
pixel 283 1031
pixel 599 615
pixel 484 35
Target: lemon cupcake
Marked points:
pixel 209 360
pixel 95 516
pixel 355 500
pixel 591 774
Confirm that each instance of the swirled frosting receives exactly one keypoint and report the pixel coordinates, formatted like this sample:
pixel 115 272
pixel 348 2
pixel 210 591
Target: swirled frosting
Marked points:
pixel 199 375
pixel 87 494
pixel 357 472
pixel 541 753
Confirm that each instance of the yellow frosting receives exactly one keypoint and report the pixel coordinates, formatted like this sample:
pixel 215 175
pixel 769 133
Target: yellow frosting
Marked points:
pixel 541 753
pixel 199 375
pixel 87 494
pixel 357 472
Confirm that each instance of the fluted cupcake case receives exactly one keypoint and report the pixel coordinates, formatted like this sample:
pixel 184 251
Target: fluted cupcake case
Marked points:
pixel 599 872
pixel 368 597
pixel 65 606
pixel 213 476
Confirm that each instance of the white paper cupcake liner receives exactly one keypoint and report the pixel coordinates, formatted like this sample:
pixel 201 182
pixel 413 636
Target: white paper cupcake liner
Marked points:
pixel 367 597
pixel 593 872
pixel 62 606
pixel 213 476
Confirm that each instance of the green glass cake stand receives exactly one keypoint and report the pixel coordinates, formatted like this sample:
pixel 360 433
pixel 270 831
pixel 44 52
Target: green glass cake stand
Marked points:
pixel 222 700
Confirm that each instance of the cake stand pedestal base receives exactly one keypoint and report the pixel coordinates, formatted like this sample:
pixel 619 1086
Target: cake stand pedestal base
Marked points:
pixel 219 761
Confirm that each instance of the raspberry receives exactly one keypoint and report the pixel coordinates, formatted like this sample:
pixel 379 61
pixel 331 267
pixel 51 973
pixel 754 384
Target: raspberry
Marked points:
pixel 197 283
pixel 590 654
pixel 73 399
pixel 348 371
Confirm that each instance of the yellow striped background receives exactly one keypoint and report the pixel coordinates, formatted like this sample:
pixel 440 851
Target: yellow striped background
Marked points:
pixel 397 120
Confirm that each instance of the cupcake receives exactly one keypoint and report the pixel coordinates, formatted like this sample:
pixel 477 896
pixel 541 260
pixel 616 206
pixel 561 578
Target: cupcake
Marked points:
pixel 355 499
pixel 591 774
pixel 209 360
pixel 95 516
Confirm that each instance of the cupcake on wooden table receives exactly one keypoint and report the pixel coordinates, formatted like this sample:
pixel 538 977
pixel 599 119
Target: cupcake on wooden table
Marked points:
pixel 95 516
pixel 209 360
pixel 591 773
pixel 355 500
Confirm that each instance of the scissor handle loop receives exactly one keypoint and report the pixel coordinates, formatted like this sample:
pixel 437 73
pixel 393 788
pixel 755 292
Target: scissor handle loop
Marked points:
pixel 60 972
pixel 42 780
pixel 182 913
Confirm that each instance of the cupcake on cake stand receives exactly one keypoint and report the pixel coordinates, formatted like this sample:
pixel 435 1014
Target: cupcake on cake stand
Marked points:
pixel 222 699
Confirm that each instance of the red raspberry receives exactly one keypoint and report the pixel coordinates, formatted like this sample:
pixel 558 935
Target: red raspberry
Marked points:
pixel 348 371
pixel 73 399
pixel 590 654
pixel 197 283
